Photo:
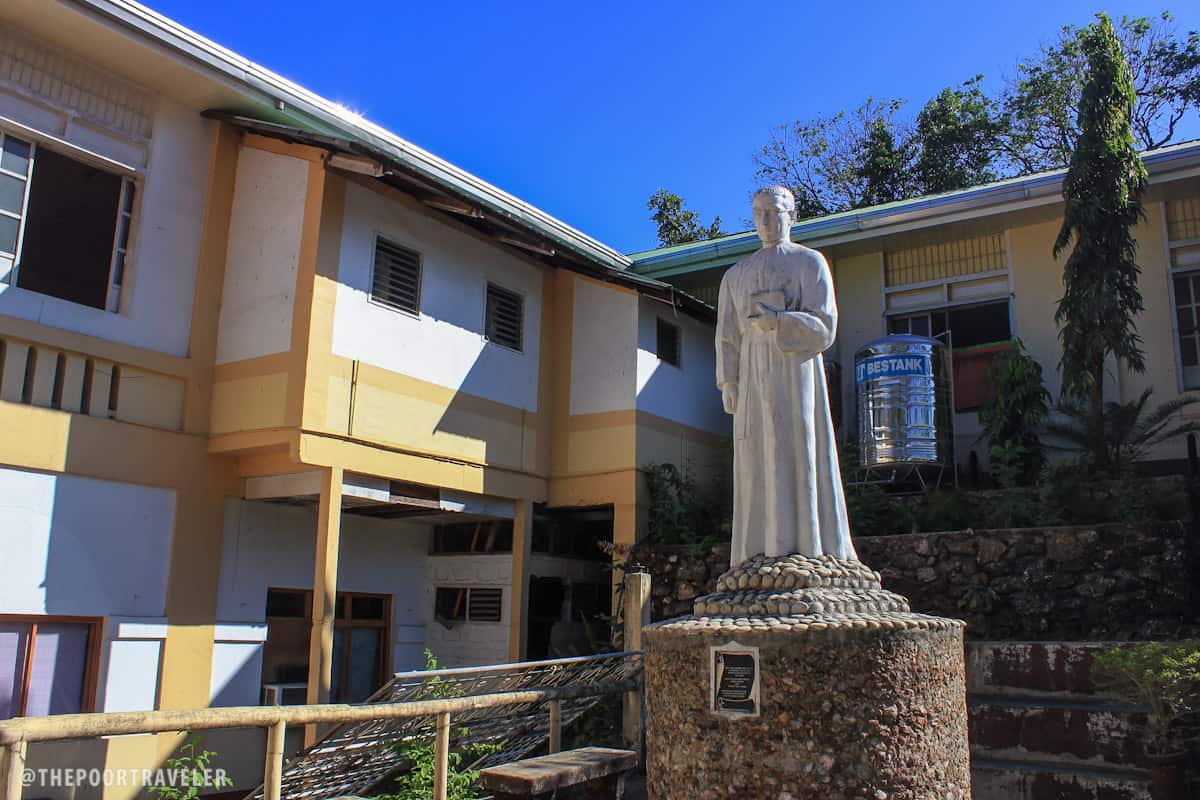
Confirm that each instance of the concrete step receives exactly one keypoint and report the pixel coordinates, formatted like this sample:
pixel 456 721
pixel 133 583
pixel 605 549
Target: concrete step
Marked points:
pixel 1074 732
pixel 1031 667
pixel 1004 779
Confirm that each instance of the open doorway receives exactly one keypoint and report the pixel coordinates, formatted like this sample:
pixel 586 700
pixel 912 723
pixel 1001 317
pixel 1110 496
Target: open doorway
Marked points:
pixel 570 582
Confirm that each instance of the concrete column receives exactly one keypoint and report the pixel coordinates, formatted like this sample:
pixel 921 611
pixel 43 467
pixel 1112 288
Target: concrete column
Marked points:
pixel 320 648
pixel 625 530
pixel 518 616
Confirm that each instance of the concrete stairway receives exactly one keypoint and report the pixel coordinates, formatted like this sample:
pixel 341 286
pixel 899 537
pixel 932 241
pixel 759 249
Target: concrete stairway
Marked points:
pixel 1039 732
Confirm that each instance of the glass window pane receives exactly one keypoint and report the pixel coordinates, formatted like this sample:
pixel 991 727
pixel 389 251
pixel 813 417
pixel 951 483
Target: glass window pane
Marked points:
pixel 920 325
pixel 127 205
pixel 285 604
pixel 15 156
pixel 59 665
pixel 1183 291
pixel 9 228
pixel 1187 321
pixel 12 193
pixel 982 324
pixel 1187 351
pixel 336 695
pixel 364 678
pixel 366 608
pixel 119 268
pixel 122 231
pixel 938 323
pixel 13 641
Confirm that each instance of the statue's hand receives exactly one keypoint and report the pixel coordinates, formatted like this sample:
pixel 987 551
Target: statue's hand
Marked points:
pixel 729 397
pixel 765 318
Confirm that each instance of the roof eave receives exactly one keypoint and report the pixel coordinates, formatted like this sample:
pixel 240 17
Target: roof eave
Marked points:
pixel 298 102
pixel 1166 164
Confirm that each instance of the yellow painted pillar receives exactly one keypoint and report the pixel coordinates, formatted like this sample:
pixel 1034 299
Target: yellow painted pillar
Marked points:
pixel 624 537
pixel 320 647
pixel 518 613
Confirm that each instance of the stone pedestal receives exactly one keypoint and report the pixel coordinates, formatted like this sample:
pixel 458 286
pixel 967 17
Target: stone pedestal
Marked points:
pixel 857 696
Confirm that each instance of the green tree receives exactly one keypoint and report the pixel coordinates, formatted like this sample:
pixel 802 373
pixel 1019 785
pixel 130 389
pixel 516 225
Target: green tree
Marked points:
pixel 676 223
pixel 1012 416
pixel 845 161
pixel 1129 432
pixel 1097 314
pixel 1041 104
pixel 959 133
pixel 884 165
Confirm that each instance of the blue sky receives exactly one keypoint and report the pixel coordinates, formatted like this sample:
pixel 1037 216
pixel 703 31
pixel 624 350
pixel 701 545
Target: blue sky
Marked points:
pixel 585 109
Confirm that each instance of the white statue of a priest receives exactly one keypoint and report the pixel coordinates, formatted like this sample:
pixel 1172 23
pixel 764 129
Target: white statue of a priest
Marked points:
pixel 775 316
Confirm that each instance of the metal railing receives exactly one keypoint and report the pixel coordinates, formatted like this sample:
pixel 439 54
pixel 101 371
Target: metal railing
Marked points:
pixel 17 733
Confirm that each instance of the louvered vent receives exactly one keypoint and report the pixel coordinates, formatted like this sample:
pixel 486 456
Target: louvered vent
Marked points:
pixel 484 605
pixel 396 280
pixel 668 342
pixel 505 317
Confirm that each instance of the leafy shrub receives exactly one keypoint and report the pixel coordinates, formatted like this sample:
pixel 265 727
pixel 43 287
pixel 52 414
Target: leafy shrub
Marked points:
pixel 417 783
pixel 1165 676
pixel 195 767
pixel 1013 415
pixel 682 511
pixel 1125 432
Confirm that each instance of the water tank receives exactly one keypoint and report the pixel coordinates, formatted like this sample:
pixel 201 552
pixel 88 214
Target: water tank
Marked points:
pixel 904 418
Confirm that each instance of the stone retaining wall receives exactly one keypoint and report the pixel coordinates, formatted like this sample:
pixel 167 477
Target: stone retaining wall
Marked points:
pixel 1105 582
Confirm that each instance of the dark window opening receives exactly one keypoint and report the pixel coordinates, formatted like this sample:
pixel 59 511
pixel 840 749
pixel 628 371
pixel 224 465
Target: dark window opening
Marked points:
pixel 468 604
pixel 969 326
pixel 668 340
pixel 977 334
pixel 485 536
pixel 546 596
pixel 396 278
pixel 70 224
pixel 504 317
pixel 573 532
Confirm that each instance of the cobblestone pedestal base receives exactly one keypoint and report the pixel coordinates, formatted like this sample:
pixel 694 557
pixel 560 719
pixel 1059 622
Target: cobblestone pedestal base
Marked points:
pixel 859 697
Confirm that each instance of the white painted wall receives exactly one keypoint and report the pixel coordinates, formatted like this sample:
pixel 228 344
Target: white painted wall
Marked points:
pixel 83 547
pixel 603 342
pixel 686 394
pixel 259 293
pixel 79 546
pixel 156 305
pixel 272 545
pixel 445 345
pixel 467 644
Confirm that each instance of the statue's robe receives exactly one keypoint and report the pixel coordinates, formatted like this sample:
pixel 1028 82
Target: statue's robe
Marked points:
pixel 788 495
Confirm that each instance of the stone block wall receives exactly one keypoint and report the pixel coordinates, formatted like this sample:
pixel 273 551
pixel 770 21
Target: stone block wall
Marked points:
pixel 1104 582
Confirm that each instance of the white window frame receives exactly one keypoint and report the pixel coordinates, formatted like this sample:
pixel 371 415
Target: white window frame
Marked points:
pixel 130 186
pixel 944 286
pixel 1174 272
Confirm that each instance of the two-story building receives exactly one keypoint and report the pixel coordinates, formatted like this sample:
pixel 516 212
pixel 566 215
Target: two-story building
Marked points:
pixel 285 399
pixel 977 265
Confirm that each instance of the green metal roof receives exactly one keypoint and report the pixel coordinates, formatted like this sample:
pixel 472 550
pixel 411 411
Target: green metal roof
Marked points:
pixel 864 223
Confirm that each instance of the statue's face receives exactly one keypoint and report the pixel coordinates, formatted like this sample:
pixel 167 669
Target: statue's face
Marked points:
pixel 772 219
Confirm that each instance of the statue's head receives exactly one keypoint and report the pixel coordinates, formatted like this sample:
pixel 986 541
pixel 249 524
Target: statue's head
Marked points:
pixel 774 208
